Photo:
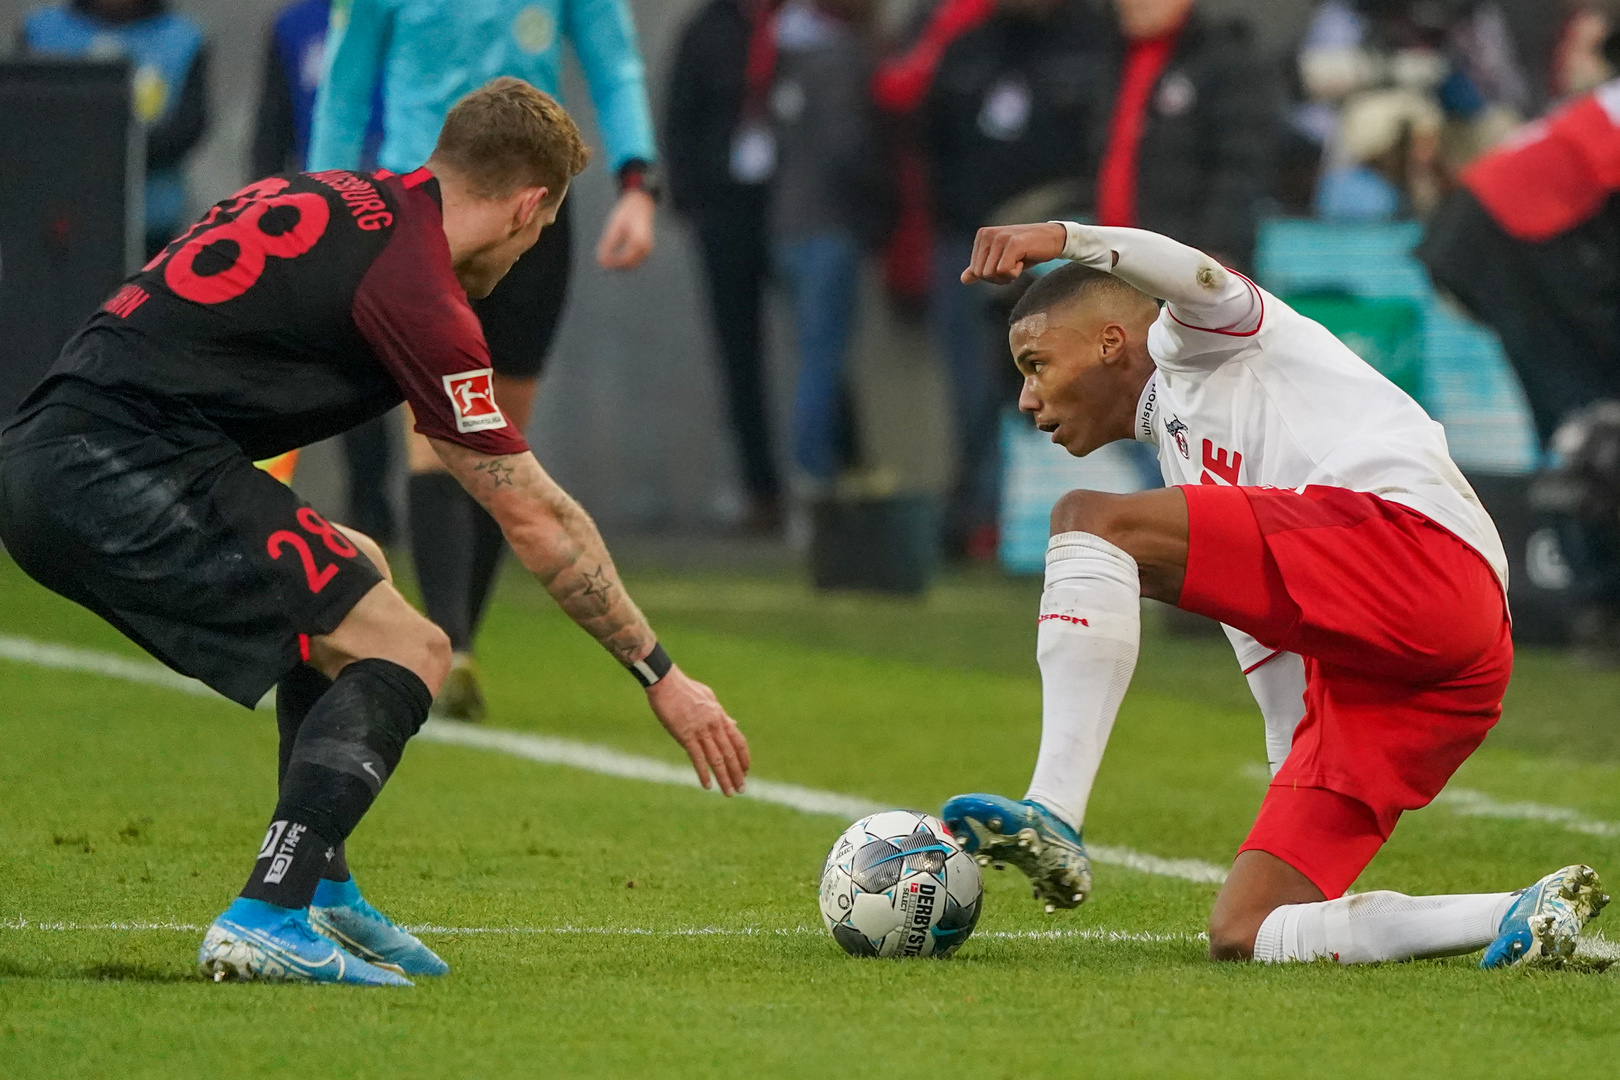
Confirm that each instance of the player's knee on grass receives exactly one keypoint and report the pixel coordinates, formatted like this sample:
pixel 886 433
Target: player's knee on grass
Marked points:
pixel 370 548
pixel 384 626
pixel 1258 884
pixel 1232 934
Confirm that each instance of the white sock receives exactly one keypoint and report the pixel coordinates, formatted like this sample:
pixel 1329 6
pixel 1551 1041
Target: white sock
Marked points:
pixel 1369 927
pixel 1090 632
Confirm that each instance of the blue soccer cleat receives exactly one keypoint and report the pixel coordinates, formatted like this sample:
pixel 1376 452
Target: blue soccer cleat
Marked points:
pixel 1541 927
pixel 1029 836
pixel 254 940
pixel 342 914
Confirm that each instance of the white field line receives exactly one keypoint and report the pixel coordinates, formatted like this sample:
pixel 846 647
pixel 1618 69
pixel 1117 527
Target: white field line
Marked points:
pixel 67 658
pixel 1593 946
pixel 550 750
pixel 1598 947
pixel 1090 934
pixel 1469 803
pixel 606 761
pixel 1466 802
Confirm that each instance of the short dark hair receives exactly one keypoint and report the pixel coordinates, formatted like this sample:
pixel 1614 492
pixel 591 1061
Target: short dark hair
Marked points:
pixel 508 135
pixel 1070 282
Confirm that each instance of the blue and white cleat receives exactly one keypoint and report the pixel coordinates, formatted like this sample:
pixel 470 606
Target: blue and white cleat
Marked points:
pixel 342 914
pixel 1541 927
pixel 1029 836
pixel 254 940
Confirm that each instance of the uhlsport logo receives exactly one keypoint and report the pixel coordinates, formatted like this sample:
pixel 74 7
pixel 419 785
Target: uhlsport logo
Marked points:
pixel 917 914
pixel 279 845
pixel 472 396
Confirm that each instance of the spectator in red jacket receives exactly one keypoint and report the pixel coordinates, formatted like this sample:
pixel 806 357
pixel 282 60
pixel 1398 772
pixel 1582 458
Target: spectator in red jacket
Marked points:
pixel 1530 244
pixel 1192 130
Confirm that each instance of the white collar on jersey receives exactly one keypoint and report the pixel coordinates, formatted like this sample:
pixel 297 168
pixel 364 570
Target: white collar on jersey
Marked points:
pixel 1147 408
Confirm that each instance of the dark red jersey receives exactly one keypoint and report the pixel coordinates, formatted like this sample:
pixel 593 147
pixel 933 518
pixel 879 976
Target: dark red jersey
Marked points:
pixel 299 307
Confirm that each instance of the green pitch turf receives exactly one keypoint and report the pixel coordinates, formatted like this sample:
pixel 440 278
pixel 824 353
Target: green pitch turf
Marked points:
pixel 613 928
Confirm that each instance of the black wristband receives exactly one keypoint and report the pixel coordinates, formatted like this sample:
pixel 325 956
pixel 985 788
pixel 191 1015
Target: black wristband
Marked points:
pixel 651 668
pixel 639 175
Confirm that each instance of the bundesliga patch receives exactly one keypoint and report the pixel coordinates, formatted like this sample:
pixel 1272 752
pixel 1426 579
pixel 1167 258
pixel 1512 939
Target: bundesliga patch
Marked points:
pixel 472 397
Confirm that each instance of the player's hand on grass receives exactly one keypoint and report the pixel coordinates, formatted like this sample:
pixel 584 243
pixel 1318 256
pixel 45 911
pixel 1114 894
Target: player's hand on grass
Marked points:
pixel 627 239
pixel 694 716
pixel 1002 252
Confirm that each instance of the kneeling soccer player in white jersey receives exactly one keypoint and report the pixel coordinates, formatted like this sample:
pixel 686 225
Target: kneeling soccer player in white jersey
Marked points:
pixel 1315 511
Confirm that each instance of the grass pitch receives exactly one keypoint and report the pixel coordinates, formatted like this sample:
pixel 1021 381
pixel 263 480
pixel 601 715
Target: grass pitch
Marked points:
pixel 609 927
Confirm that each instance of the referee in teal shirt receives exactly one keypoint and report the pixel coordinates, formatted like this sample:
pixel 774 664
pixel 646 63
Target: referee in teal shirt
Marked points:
pixel 428 53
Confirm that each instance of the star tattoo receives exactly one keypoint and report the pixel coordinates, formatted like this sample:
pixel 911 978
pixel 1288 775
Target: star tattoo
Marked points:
pixel 499 472
pixel 598 584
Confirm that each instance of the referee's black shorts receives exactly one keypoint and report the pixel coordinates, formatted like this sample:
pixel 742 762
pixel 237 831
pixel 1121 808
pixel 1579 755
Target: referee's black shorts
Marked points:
pixel 171 534
pixel 521 316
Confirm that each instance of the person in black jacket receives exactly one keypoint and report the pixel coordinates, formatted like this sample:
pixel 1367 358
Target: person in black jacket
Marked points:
pixel 719 159
pixel 1191 131
pixel 1011 110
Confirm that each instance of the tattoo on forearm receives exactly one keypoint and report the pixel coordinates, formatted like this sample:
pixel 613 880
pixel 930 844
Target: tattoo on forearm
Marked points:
pixel 557 540
pixel 498 470
pixel 598 591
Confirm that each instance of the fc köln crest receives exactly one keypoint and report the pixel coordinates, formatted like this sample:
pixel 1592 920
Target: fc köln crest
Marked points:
pixel 472 397
pixel 1178 432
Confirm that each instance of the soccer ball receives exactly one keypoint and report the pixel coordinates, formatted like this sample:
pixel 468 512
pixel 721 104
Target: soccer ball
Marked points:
pixel 898 884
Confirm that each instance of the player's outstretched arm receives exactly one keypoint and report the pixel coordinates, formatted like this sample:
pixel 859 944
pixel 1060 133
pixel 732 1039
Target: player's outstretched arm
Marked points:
pixel 556 539
pixel 1199 289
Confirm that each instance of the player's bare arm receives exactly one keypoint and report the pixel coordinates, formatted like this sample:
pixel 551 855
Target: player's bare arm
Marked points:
pixel 1002 252
pixel 1200 291
pixel 557 541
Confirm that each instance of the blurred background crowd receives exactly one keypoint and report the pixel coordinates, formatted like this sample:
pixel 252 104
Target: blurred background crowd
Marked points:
pixel 798 361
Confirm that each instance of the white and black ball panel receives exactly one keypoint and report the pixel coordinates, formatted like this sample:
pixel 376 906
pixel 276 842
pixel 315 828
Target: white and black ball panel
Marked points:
pixel 898 884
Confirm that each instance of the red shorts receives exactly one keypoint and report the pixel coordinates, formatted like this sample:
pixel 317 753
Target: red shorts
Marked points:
pixel 1407 649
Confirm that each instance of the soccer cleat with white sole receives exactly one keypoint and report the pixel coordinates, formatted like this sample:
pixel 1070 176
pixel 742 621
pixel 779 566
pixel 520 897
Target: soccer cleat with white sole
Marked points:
pixel 342 914
pixel 1051 854
pixel 253 941
pixel 1541 928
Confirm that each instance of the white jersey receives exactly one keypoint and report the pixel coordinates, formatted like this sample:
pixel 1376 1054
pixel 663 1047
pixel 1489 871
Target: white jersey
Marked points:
pixel 1250 392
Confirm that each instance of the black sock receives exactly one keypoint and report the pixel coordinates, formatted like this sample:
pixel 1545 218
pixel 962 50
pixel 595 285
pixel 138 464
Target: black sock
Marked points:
pixel 489 544
pixel 296 694
pixel 442 539
pixel 345 750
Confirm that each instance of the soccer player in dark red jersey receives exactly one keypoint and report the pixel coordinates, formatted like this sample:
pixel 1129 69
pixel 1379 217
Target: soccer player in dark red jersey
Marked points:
pixel 301 306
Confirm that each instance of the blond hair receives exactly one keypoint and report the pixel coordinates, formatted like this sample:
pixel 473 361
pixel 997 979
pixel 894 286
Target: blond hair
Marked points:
pixel 507 135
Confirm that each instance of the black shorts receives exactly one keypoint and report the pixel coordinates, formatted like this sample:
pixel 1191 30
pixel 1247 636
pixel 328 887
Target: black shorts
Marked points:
pixel 173 536
pixel 521 316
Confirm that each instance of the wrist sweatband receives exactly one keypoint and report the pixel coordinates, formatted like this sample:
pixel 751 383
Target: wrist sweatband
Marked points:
pixel 652 667
pixel 638 175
